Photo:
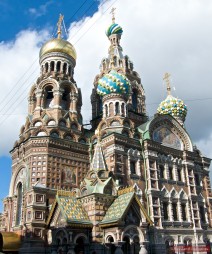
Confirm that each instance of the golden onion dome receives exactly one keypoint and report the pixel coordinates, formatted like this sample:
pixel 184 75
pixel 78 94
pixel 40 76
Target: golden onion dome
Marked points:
pixel 58 45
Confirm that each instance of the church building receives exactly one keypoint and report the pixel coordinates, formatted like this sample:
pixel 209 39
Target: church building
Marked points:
pixel 130 184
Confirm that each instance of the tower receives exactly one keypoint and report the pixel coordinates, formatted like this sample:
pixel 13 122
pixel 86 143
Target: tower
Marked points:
pixel 120 63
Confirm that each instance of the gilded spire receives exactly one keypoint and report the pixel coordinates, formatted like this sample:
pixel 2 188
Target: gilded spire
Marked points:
pixel 113 15
pixel 59 26
pixel 167 80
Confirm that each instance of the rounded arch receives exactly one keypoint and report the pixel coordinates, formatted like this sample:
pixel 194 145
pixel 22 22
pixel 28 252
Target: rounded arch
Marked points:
pixel 81 235
pixel 14 180
pixel 51 122
pixel 48 82
pixel 136 232
pixel 108 237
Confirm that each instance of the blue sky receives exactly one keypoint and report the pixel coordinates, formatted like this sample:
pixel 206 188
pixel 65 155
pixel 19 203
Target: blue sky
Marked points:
pixel 159 36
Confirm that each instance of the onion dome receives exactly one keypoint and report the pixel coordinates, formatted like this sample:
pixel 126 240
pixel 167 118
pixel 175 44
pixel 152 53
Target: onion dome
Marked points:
pixel 113 82
pixel 174 107
pixel 114 29
pixel 58 45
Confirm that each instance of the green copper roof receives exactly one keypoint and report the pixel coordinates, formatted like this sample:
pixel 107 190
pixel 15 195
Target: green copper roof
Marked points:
pixel 72 209
pixel 118 208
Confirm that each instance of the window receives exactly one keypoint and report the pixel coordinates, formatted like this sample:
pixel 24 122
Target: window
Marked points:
pixel 29 214
pixel 170 173
pixel 38 215
pixel 179 174
pixel 197 181
pixel 174 209
pixel 39 198
pixel 19 204
pixel 183 208
pixel 161 168
pixel 132 167
pixel 165 211
pixel 117 109
pixel 202 213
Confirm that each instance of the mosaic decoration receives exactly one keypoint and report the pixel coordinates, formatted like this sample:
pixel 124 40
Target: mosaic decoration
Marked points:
pixel 114 29
pixel 173 106
pixel 73 210
pixel 113 82
pixel 67 174
pixel 167 138
pixel 119 206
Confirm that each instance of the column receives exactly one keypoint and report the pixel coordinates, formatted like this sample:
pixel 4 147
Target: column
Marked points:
pixel 38 103
pixel 57 98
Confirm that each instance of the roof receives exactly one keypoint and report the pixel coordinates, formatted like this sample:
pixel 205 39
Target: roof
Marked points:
pixel 71 209
pixel 10 241
pixel 120 206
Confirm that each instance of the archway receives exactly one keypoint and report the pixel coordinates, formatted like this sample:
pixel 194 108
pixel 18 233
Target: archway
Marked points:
pixel 126 246
pixel 112 247
pixel 80 245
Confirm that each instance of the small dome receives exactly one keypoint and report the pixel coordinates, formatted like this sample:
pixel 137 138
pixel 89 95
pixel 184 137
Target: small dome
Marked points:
pixel 114 29
pixel 173 106
pixel 113 82
pixel 58 45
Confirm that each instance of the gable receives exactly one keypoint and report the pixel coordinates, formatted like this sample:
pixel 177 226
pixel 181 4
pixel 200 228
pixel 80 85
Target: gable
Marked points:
pixel 166 137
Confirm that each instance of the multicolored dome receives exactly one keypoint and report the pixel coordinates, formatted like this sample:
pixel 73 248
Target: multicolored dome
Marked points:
pixel 113 82
pixel 173 106
pixel 114 29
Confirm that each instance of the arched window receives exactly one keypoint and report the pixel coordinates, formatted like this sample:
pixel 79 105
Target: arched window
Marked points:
pixel 49 97
pixel 52 66
pixel 65 68
pixel 65 99
pixel 134 100
pixel 106 110
pixel 122 109
pixel 58 66
pixel 19 203
pixel 126 246
pixel 117 109
pixel 69 70
pixel 46 67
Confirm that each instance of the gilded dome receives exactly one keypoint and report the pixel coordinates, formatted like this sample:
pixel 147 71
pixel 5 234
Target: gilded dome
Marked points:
pixel 173 106
pixel 58 45
pixel 113 82
pixel 114 29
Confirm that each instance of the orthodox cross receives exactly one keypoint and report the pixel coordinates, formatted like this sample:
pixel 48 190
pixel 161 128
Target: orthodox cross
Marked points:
pixel 167 80
pixel 113 14
pixel 59 26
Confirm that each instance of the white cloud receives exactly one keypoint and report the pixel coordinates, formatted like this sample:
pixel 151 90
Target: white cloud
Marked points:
pixel 159 36
pixel 19 70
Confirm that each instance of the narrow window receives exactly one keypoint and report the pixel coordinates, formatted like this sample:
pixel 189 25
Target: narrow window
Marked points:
pixel 174 209
pixel 65 68
pixel 165 211
pixel 134 100
pixel 162 175
pixel 19 204
pixel 117 109
pixel 183 208
pixel 179 174
pixel 52 66
pixel 132 167
pixel 58 66
pixel 202 213
pixel 170 173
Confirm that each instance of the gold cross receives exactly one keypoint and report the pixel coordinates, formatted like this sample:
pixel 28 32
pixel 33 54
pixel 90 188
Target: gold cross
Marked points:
pixel 59 26
pixel 167 80
pixel 113 14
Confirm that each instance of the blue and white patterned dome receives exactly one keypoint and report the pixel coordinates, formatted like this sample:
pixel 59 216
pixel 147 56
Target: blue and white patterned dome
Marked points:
pixel 113 82
pixel 114 29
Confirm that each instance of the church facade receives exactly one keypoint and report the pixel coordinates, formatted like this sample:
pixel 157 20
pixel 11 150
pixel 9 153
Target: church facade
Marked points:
pixel 129 184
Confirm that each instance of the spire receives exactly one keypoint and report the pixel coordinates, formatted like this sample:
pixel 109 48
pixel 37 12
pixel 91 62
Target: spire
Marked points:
pixel 59 26
pixel 167 80
pixel 98 162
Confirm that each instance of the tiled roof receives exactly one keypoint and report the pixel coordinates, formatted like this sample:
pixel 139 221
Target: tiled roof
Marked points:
pixel 118 208
pixel 98 162
pixel 73 210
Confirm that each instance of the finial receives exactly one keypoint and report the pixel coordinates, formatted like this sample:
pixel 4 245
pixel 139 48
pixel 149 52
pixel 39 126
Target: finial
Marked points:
pixel 113 14
pixel 59 25
pixel 167 80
